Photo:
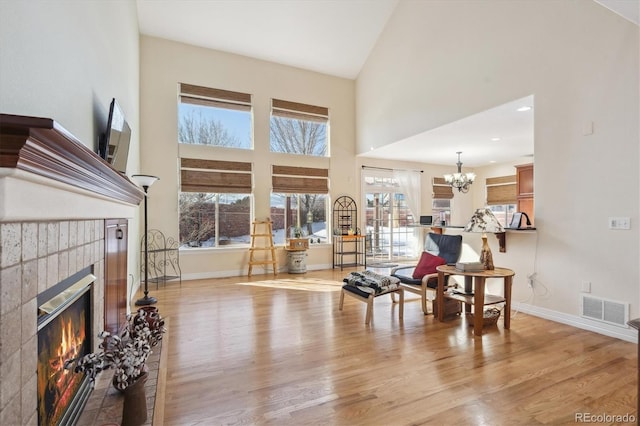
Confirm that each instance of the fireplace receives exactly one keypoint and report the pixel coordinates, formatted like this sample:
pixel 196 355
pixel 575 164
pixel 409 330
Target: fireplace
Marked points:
pixel 56 232
pixel 64 332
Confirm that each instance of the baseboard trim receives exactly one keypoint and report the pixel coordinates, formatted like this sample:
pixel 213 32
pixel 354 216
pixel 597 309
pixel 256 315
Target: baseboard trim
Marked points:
pixel 239 273
pixel 622 333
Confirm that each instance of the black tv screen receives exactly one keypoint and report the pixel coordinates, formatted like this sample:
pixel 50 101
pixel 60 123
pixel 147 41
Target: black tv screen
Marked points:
pixel 114 146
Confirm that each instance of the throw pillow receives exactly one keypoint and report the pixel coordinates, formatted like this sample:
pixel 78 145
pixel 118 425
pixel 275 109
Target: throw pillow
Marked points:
pixel 427 265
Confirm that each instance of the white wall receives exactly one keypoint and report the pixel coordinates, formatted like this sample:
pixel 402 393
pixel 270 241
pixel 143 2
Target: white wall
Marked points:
pixel 164 64
pixel 66 60
pixel 440 61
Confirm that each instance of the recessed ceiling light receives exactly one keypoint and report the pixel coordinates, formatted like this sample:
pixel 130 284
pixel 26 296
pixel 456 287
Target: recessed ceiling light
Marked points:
pixel 523 108
pixel 495 139
pixel 492 161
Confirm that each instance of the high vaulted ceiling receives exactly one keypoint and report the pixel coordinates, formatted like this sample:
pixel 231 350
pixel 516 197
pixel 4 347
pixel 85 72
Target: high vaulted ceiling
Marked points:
pixel 328 36
pixel 335 37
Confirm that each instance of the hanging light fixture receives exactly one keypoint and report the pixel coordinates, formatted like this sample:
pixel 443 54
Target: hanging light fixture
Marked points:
pixel 459 180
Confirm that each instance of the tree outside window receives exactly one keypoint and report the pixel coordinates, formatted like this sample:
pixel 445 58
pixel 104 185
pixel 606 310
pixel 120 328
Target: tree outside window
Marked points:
pixel 298 137
pixel 299 128
pixel 214 117
pixel 214 127
pixel 214 220
pixel 299 215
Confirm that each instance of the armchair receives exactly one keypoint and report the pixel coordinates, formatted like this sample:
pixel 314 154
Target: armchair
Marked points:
pixel 448 247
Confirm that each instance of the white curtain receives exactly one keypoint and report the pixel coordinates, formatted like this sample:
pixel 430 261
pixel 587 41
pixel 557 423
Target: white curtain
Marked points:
pixel 409 182
pixel 410 186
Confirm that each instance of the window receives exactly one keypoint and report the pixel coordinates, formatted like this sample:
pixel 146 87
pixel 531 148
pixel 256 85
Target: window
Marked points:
pixel 504 213
pixel 214 117
pixel 441 203
pixel 299 215
pixel 299 203
pixel 380 181
pixel 299 128
pixel 501 197
pixel 214 203
pixel 441 210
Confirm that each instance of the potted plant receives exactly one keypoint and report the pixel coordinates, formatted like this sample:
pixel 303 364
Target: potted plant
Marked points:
pixel 127 353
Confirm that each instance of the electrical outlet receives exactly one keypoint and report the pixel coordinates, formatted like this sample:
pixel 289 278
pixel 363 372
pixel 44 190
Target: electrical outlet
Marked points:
pixel 531 279
pixel 586 287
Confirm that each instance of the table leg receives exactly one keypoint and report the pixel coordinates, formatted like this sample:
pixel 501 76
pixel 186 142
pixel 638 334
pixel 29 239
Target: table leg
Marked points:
pixel 508 281
pixel 468 288
pixel 478 306
pixel 468 284
pixel 440 296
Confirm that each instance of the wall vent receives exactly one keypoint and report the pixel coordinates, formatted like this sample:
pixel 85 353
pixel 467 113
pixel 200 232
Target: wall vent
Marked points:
pixel 605 310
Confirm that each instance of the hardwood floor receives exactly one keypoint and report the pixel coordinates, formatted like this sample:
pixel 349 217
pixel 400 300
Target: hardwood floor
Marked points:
pixel 246 351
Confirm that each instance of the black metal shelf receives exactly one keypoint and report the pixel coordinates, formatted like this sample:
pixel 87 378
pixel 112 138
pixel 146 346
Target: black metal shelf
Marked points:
pixel 345 243
pixel 163 258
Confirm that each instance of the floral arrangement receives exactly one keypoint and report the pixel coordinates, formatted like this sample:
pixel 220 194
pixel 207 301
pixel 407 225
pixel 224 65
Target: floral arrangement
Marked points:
pixel 127 354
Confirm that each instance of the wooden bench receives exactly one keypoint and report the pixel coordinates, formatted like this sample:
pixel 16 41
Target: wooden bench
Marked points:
pixel 367 298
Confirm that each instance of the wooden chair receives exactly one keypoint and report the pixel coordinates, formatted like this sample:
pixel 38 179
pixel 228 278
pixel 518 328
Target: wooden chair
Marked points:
pixel 449 247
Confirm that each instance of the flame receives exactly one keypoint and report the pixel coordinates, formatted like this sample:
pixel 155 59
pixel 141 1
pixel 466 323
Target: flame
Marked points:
pixel 67 345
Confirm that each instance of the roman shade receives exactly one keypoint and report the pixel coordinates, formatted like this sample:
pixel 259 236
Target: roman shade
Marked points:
pixel 298 111
pixel 299 180
pixel 441 189
pixel 501 190
pixel 218 98
pixel 197 175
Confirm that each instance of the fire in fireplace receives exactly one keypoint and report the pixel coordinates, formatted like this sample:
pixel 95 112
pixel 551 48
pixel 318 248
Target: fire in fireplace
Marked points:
pixel 64 332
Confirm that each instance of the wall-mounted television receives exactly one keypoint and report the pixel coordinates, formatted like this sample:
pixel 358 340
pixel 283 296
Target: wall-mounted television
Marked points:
pixel 114 144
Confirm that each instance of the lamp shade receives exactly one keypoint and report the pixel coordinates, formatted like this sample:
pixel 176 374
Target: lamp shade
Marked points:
pixel 144 180
pixel 483 220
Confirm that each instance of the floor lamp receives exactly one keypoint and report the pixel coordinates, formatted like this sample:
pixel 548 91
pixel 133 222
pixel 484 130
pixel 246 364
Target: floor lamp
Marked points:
pixel 145 181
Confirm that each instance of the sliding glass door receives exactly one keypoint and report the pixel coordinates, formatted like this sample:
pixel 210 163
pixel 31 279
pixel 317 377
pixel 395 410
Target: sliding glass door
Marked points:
pixel 388 220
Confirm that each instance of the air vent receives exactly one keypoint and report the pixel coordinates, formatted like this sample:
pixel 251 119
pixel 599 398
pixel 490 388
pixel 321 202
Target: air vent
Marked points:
pixel 605 310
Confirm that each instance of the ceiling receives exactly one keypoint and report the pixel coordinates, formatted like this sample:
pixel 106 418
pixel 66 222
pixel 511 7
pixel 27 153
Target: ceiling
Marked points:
pixel 296 33
pixel 328 36
pixel 628 9
pixel 497 135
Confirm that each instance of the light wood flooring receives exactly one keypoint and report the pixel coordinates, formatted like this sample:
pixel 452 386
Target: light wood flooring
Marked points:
pixel 250 351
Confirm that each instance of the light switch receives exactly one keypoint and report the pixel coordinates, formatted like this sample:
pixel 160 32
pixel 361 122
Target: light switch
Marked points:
pixel 619 223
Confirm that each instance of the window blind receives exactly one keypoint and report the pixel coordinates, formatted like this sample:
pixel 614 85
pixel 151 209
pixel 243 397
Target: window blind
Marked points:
pixel 218 98
pixel 501 190
pixel 298 111
pixel 197 175
pixel 299 180
pixel 441 189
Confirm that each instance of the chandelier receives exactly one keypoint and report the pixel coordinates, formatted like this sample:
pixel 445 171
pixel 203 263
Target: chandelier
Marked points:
pixel 459 180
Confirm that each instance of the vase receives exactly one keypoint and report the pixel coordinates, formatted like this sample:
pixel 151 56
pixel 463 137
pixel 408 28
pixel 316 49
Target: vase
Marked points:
pixel 134 410
pixel 150 311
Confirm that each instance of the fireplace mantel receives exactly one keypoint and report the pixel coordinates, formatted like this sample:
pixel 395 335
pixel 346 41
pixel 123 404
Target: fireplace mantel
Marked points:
pixel 41 162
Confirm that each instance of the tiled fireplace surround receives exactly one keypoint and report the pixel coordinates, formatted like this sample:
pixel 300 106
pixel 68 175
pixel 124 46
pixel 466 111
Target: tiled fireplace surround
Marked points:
pixel 34 257
pixel 55 195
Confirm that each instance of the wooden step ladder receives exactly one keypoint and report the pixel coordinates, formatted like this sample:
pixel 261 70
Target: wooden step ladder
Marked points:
pixel 262 232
